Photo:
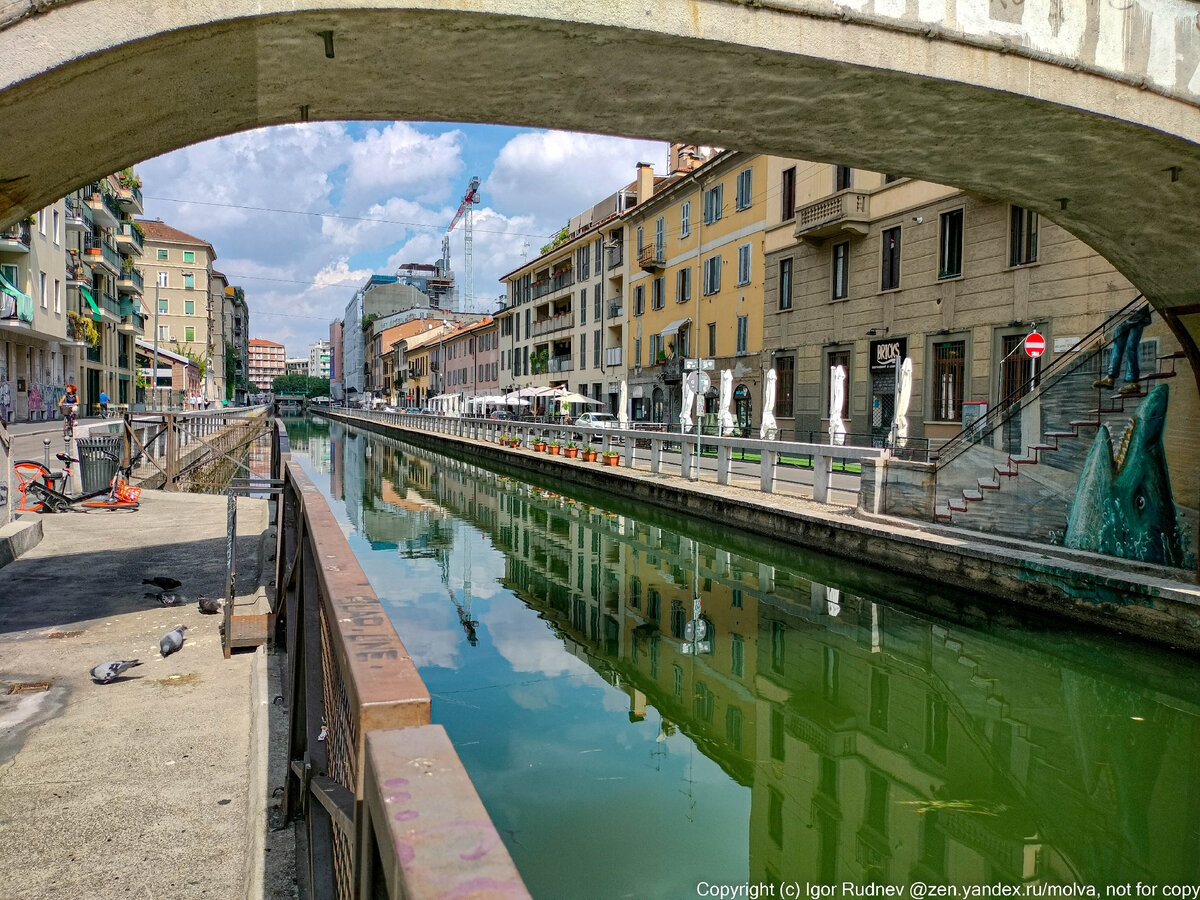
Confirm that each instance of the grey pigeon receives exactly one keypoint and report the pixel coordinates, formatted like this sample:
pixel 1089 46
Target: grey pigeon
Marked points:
pixel 168 598
pixel 106 672
pixel 171 641
pixel 209 605
pixel 162 581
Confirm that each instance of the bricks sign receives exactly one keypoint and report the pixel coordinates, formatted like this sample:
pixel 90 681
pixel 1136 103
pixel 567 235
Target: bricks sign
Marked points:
pixel 1035 345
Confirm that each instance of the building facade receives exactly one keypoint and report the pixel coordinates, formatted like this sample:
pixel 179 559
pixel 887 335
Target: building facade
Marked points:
pixel 318 359
pixel 268 361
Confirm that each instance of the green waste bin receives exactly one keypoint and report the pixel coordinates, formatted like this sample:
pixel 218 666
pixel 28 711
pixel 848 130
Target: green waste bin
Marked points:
pixel 96 466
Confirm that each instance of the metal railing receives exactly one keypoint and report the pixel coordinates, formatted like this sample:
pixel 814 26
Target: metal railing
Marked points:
pixel 369 821
pixel 179 450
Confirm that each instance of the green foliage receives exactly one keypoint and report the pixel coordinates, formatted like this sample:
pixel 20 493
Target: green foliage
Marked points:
pixel 301 384
pixel 231 357
pixel 200 362
pixel 539 360
pixel 560 238
pixel 368 320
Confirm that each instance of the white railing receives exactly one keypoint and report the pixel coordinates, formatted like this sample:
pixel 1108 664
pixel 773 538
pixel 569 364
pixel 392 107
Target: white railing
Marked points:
pixel 612 356
pixel 723 460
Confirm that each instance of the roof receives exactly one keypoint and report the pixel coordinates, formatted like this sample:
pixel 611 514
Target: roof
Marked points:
pixel 425 337
pixel 156 230
pixel 259 342
pixel 148 347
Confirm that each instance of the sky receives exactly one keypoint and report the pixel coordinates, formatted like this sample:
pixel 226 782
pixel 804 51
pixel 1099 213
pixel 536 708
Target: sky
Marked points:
pixel 301 215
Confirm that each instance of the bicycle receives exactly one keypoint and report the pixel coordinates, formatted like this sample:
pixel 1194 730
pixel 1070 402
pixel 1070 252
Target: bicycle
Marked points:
pixel 41 490
pixel 70 413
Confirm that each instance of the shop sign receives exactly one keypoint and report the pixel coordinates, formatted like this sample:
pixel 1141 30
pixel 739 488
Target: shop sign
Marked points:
pixel 886 353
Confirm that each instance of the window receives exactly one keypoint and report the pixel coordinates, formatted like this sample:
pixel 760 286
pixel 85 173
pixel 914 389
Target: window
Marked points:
pixel 1023 249
pixel 659 236
pixel 189 256
pixel 43 296
pixel 743 329
pixel 658 290
pixel 785 283
pixel 935 727
pixel 189 333
pixel 163 334
pixel 950 245
pixel 189 281
pixel 878 710
pixel 841 358
pixel 745 191
pixel 712 204
pixel 743 264
pixel 596 349
pixel 712 338
pixel 41 219
pixel 843 177
pixel 583 351
pixel 785 369
pixel 778 749
pixel 57 232
pixel 162 279
pixel 596 301
pixel 583 262
pixel 639 242
pixel 685 219
pixel 637 351
pixel 683 285
pixel 712 274
pixel 890 277
pixel 737 656
pixel 162 254
pixel 685 341
pixel 162 306
pixel 733 727
pixel 829 675
pixel 775 816
pixel 841 270
pixel 949 365
pixel 777 647
pixel 583 307
pixel 57 296
pixel 189 307
pixel 787 194
pixel 639 299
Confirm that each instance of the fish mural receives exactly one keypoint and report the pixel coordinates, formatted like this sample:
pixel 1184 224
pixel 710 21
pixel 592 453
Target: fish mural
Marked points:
pixel 1123 504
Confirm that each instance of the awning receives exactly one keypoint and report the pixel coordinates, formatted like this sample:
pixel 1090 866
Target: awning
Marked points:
pixel 87 295
pixel 674 327
pixel 24 301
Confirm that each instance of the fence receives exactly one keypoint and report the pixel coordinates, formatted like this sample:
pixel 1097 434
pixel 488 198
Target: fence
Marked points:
pixel 380 801
pixel 179 450
pixel 769 466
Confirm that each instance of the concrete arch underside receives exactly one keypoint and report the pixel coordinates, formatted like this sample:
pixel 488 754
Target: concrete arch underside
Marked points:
pixel 90 86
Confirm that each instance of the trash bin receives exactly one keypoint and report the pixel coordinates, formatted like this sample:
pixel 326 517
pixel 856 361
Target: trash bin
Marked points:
pixel 96 467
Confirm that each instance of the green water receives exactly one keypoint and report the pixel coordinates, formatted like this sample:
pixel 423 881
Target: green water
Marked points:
pixel 835 724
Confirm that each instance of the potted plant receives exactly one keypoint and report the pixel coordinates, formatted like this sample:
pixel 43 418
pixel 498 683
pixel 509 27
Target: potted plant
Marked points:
pixel 572 450
pixel 589 454
pixel 505 440
pixel 611 457
pixel 539 445
pixel 555 447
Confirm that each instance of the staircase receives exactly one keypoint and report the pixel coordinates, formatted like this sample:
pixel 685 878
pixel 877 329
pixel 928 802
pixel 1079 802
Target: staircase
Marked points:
pixel 974 466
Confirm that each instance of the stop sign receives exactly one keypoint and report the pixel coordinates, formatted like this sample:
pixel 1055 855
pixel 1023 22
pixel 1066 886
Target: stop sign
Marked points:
pixel 1035 345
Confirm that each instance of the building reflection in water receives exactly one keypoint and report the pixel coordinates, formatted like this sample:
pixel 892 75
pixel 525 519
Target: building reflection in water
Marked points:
pixel 879 744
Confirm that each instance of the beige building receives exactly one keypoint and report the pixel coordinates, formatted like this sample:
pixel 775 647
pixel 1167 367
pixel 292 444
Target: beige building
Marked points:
pixel 268 361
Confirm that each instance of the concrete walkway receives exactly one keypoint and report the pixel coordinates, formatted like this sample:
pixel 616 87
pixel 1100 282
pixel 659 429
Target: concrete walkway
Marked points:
pixel 154 785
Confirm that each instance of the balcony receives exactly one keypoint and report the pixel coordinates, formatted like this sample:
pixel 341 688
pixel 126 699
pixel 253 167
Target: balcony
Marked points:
pixel 134 323
pixel 130 198
pixel 551 324
pixel 846 212
pixel 129 240
pixel 78 271
pixel 560 364
pixel 651 258
pixel 93 354
pixel 105 211
pixel 130 282
pixel 616 311
pixel 102 251
pixel 15 238
pixel 78 217
pixel 109 305
pixel 562 279
pixel 612 356
pixel 123 361
pixel 672 370
pixel 616 255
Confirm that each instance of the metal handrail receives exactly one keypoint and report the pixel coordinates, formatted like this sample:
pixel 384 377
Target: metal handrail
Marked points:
pixel 1029 390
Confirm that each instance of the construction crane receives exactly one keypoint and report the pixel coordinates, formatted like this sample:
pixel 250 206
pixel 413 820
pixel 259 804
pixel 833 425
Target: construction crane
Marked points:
pixel 463 608
pixel 466 211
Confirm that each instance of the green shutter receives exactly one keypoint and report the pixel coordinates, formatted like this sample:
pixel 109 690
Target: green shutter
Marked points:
pixel 87 295
pixel 24 301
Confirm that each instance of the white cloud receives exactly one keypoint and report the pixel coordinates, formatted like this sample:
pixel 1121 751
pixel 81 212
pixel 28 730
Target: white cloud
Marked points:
pixel 399 158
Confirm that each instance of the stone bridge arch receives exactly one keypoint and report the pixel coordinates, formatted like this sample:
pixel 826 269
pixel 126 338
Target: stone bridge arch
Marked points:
pixel 1085 112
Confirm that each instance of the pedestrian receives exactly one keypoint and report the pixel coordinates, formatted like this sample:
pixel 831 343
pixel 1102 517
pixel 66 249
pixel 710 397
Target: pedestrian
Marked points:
pixel 68 405
pixel 103 405
pixel 1127 336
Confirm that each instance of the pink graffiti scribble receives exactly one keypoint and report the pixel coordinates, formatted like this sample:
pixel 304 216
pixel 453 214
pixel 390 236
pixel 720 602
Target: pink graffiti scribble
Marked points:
pixel 405 815
pixel 405 853
pixel 398 797
pixel 485 886
pixel 395 782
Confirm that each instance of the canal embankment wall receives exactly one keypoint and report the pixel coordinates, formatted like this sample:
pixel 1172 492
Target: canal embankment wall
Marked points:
pixel 1154 603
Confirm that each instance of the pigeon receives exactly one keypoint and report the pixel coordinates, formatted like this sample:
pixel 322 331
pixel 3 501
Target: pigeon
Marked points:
pixel 171 641
pixel 163 582
pixel 168 598
pixel 106 672
pixel 209 605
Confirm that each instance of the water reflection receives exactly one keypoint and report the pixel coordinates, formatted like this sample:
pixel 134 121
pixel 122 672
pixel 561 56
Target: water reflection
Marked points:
pixel 832 737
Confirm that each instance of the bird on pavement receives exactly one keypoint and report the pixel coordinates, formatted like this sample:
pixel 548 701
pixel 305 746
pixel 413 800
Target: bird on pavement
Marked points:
pixel 171 641
pixel 106 672
pixel 209 605
pixel 163 582
pixel 168 598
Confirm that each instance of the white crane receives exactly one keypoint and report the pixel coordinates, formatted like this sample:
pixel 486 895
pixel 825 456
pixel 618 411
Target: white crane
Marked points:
pixel 466 211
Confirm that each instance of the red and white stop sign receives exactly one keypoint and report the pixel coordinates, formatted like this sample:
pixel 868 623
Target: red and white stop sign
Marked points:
pixel 1035 345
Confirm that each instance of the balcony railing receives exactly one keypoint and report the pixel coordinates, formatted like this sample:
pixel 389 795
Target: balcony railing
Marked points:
pixel 651 258
pixel 612 356
pixel 616 256
pixel 130 196
pixel 79 217
pixel 845 211
pixel 123 361
pixel 672 369
pixel 552 324
pixel 562 280
pixel 130 281
pixel 560 364
pixel 540 289
pixel 109 303
pixel 15 238
pixel 616 310
pixel 103 205
pixel 102 250
pixel 130 236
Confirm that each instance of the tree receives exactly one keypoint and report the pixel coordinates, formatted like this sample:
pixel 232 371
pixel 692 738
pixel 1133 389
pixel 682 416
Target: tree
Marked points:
pixel 301 384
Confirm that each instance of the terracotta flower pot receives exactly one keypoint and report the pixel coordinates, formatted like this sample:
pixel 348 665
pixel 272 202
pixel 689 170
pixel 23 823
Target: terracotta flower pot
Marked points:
pixel 539 446
pixel 555 449
pixel 611 460
pixel 572 452
pixel 589 456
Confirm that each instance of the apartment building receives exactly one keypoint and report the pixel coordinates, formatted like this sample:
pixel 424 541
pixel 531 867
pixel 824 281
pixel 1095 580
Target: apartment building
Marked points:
pixel 336 385
pixel 471 357
pixel 297 365
pixel 417 360
pixel 318 359
pixel 236 357
pixel 268 361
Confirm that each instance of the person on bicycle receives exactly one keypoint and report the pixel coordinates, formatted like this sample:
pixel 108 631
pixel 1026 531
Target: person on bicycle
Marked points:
pixel 69 404
pixel 103 405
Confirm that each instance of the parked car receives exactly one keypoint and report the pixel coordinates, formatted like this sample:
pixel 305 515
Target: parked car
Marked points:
pixel 597 420
pixel 499 414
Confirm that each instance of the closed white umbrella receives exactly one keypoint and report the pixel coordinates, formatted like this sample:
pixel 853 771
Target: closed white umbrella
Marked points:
pixel 768 429
pixel 685 413
pixel 837 399
pixel 902 400
pixel 623 405
pixel 725 416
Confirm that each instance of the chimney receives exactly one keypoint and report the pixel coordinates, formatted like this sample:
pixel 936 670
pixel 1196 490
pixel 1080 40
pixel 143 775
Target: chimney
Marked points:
pixel 645 182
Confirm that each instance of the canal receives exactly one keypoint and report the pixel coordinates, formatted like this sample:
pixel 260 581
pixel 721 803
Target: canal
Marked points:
pixel 814 722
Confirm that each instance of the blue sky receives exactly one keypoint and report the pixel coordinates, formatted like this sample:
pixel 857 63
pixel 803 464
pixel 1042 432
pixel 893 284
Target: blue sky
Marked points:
pixel 301 215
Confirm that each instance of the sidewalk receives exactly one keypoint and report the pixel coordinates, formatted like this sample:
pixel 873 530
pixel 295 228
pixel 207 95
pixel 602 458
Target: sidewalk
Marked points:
pixel 153 785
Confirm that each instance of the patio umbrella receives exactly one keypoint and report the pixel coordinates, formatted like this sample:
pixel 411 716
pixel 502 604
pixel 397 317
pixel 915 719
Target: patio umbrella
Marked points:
pixel 623 405
pixel 579 398
pixel 837 399
pixel 685 412
pixel 902 401
pixel 725 416
pixel 768 429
